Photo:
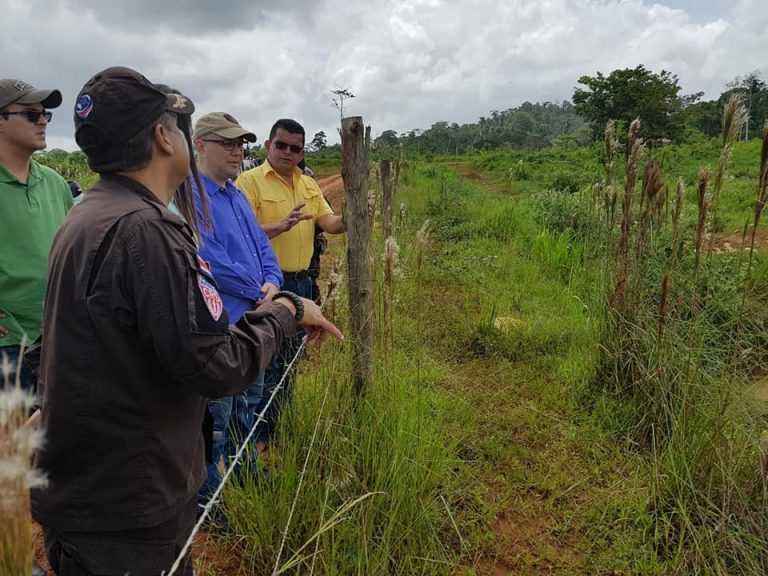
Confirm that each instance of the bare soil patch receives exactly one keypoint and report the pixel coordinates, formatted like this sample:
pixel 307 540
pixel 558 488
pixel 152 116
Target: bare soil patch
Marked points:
pixel 723 244
pixel 333 188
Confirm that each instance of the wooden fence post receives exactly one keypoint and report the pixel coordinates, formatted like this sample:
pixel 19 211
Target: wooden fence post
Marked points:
pixel 355 149
pixel 386 197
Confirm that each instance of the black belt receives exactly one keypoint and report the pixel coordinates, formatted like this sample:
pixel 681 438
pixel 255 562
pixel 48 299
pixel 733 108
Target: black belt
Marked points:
pixel 300 275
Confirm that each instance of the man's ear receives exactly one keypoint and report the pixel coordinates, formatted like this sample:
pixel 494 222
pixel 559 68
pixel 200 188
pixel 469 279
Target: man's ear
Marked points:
pixel 162 139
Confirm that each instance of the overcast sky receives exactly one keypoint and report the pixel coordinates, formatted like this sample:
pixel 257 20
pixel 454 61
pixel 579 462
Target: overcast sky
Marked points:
pixel 409 63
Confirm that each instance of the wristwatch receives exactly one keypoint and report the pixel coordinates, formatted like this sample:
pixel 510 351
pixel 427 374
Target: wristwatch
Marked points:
pixel 298 303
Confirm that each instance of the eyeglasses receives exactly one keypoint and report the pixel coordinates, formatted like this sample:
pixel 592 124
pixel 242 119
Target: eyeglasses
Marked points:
pixel 284 145
pixel 33 116
pixel 229 145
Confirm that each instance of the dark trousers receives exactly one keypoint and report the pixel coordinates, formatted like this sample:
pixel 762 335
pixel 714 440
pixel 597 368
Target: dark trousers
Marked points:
pixel 143 552
pixel 280 362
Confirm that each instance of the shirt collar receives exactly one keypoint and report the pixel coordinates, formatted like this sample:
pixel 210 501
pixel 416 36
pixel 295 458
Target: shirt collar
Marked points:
pixel 268 168
pixel 134 186
pixel 212 187
pixel 34 173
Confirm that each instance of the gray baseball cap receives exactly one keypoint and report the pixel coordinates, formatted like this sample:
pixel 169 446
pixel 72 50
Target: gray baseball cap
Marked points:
pixel 19 92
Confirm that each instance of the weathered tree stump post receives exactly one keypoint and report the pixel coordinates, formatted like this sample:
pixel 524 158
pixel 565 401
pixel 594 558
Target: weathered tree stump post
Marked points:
pixel 386 197
pixel 355 149
pixel 398 163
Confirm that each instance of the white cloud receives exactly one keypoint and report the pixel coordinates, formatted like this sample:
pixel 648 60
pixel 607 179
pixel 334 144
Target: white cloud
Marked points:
pixel 410 63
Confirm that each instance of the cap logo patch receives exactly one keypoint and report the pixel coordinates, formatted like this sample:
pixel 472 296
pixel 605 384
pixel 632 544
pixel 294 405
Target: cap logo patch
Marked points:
pixel 181 102
pixel 22 86
pixel 84 106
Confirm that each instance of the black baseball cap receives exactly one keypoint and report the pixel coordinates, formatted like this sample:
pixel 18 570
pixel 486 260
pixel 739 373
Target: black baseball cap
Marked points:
pixel 113 107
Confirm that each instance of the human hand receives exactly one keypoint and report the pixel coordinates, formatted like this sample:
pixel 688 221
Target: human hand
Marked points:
pixel 295 216
pixel 34 421
pixel 314 323
pixel 3 330
pixel 269 290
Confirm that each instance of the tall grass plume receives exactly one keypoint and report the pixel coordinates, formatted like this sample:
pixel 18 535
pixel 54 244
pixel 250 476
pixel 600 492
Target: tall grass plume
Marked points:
pixel 18 442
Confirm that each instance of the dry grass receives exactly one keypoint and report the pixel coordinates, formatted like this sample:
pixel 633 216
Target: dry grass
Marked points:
pixel 17 445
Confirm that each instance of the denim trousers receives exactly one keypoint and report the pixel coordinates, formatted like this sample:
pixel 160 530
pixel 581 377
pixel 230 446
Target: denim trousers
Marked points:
pixel 233 418
pixel 278 366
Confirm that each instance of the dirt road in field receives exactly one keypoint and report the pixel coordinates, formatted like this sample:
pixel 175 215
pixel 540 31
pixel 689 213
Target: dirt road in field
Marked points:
pixel 333 188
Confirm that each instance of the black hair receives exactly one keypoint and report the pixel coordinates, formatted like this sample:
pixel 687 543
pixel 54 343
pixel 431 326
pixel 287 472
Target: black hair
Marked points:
pixel 290 126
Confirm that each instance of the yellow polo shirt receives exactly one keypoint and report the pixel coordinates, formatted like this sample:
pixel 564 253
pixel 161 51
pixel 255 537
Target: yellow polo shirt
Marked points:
pixel 272 200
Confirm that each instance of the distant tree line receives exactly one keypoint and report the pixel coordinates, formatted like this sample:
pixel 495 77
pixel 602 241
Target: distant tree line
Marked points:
pixel 622 96
pixel 529 125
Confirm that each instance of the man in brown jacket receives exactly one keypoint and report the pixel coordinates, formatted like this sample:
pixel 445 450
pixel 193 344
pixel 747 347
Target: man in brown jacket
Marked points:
pixel 134 337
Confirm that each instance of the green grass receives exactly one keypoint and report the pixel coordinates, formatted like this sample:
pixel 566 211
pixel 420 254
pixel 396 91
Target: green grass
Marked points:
pixel 514 422
pixel 472 427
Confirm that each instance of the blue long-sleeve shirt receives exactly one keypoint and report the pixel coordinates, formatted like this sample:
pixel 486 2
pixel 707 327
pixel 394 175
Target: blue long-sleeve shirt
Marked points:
pixel 237 249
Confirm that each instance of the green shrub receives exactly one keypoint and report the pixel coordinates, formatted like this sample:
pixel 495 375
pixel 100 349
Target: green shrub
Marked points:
pixel 560 211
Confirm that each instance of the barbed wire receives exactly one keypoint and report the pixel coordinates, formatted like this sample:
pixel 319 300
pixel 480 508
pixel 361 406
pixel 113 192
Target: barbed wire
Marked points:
pixel 235 460
pixel 301 481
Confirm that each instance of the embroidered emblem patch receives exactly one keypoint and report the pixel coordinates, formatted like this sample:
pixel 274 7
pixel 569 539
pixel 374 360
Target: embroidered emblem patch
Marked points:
pixel 211 296
pixel 84 106
pixel 181 102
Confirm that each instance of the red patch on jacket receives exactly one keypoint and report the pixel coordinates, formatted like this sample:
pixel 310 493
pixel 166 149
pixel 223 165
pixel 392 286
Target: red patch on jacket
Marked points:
pixel 210 296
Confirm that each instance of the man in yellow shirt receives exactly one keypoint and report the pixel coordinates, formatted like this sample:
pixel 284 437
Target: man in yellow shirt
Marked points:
pixel 287 205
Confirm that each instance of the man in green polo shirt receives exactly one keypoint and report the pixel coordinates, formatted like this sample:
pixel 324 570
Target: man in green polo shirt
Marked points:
pixel 33 203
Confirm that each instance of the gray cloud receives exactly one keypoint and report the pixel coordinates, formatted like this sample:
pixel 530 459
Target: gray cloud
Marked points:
pixel 410 63
pixel 191 16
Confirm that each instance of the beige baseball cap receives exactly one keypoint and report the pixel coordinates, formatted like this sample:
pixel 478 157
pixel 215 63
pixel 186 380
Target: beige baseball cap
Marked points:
pixel 222 125
pixel 19 92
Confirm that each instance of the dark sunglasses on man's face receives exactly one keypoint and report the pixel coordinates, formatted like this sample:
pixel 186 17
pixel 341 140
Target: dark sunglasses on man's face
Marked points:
pixel 283 145
pixel 229 145
pixel 32 115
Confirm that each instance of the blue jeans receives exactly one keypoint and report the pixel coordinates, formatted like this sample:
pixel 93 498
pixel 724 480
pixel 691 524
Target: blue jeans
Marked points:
pixel 233 417
pixel 280 361
pixel 26 378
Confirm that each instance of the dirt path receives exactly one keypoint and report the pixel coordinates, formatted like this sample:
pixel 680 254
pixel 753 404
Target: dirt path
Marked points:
pixel 534 480
pixel 333 188
pixel 726 243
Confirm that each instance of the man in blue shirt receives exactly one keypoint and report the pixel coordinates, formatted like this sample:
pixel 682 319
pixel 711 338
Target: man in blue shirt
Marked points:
pixel 242 262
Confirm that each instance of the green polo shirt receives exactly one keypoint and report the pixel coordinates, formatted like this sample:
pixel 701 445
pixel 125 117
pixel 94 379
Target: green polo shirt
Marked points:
pixel 30 214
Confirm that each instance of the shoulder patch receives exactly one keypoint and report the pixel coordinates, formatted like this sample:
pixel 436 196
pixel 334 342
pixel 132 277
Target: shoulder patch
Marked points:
pixel 208 291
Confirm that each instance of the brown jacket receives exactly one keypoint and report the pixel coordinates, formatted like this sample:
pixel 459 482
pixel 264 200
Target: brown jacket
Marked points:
pixel 134 336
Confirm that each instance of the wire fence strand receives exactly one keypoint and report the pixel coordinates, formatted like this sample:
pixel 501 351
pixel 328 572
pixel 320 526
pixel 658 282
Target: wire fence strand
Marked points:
pixel 233 464
pixel 241 450
pixel 301 481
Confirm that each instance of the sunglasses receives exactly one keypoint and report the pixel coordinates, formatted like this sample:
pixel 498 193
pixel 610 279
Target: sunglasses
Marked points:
pixel 284 145
pixel 33 116
pixel 229 145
